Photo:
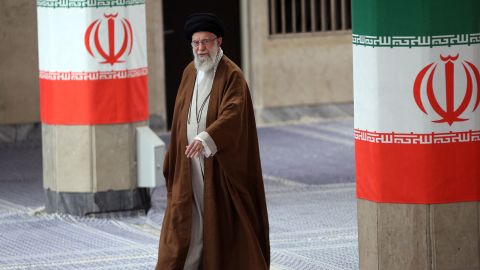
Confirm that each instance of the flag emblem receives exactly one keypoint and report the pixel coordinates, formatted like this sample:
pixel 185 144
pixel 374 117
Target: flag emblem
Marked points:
pixel 449 113
pixel 110 55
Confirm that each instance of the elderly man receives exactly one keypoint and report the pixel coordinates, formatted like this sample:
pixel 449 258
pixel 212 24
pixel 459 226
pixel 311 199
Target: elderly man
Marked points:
pixel 216 215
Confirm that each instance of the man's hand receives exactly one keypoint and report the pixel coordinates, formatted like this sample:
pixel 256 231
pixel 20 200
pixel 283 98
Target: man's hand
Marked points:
pixel 194 149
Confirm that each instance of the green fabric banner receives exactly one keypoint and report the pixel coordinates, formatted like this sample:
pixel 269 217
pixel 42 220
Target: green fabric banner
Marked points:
pixel 416 76
pixel 415 17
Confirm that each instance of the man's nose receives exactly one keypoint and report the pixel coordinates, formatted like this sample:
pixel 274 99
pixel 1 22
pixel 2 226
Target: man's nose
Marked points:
pixel 201 46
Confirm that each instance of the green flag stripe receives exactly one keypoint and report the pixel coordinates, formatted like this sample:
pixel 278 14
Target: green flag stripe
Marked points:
pixel 416 41
pixel 87 3
pixel 415 17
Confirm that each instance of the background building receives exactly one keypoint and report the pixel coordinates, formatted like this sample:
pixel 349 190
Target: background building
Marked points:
pixel 296 56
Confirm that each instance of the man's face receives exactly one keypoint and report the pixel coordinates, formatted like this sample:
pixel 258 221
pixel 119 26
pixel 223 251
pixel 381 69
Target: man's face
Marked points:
pixel 205 46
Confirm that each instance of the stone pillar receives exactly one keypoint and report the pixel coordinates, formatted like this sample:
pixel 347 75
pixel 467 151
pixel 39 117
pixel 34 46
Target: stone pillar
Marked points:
pixel 417 161
pixel 418 236
pixel 88 169
pixel 94 93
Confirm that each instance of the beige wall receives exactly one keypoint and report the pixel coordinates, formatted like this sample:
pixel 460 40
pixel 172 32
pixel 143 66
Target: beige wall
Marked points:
pixel 19 90
pixel 297 70
pixel 156 59
pixel 19 95
pixel 288 71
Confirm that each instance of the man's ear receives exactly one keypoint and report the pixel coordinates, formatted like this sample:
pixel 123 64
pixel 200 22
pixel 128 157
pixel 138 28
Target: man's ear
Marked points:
pixel 219 41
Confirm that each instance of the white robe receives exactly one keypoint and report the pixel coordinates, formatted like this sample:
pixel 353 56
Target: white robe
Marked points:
pixel 203 85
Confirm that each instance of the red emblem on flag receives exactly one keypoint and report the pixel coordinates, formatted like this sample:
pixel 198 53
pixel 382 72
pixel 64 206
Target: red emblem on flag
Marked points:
pixel 449 113
pixel 111 55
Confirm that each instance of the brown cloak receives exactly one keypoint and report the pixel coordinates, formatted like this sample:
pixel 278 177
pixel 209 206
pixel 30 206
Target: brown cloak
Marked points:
pixel 236 232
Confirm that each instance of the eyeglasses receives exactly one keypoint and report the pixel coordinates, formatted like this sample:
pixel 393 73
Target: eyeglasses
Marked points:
pixel 204 42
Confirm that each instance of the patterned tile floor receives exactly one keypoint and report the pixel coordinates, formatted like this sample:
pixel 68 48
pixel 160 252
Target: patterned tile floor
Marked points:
pixel 309 179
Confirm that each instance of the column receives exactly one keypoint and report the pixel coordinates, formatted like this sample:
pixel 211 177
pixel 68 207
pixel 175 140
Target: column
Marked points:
pixel 417 131
pixel 93 94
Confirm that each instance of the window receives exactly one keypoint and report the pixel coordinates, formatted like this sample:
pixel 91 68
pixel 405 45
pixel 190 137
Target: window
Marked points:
pixel 309 16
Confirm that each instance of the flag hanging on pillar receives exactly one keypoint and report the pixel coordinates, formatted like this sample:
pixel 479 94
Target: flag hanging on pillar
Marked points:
pixel 416 98
pixel 93 61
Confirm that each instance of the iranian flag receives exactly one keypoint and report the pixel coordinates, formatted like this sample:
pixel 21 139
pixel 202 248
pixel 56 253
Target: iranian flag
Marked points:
pixel 93 61
pixel 416 98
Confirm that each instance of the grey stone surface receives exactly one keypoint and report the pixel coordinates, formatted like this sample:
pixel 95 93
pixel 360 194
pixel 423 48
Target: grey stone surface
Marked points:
pixel 21 174
pixel 302 112
pixel 455 237
pixel 158 123
pixel 49 138
pixel 89 159
pixel 7 133
pixel 11 133
pixel 61 242
pixel 312 153
pixel 113 157
pixel 402 236
pixel 83 203
pixel 418 236
pixel 393 236
pixel 367 234
pixel 72 152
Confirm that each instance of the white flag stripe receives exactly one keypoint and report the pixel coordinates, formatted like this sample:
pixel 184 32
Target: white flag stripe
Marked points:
pixel 61 38
pixel 97 75
pixel 383 85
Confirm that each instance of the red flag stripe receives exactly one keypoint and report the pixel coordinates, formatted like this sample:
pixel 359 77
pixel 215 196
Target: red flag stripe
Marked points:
pixel 418 173
pixel 90 102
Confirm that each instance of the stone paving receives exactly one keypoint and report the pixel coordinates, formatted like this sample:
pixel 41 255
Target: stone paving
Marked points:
pixel 309 178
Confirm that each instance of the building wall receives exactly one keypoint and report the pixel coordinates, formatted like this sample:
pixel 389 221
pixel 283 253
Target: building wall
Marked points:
pixel 156 64
pixel 19 95
pixel 295 70
pixel 282 71
pixel 19 89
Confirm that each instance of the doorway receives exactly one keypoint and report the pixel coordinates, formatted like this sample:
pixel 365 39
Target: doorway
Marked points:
pixel 178 50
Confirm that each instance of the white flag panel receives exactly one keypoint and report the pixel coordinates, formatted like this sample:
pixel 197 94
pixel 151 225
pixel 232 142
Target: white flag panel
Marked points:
pixel 383 88
pixel 63 45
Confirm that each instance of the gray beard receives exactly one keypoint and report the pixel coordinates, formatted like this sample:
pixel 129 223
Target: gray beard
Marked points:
pixel 207 63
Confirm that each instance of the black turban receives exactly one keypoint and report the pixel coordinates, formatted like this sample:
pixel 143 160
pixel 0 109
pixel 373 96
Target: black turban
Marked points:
pixel 200 22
